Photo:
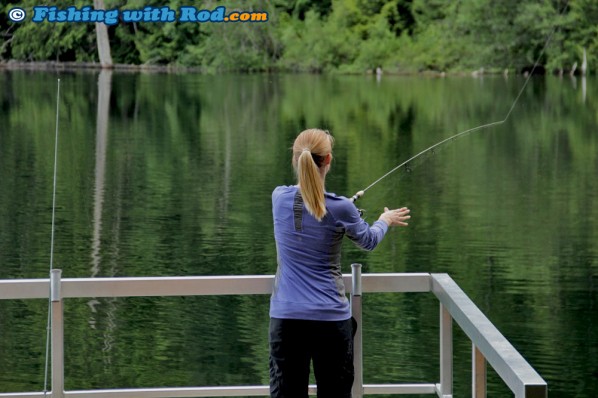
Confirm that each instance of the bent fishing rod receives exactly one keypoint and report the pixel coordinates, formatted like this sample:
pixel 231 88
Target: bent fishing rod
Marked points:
pixel 359 194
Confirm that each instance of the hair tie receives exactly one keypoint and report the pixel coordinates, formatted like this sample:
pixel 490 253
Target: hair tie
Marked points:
pixel 306 150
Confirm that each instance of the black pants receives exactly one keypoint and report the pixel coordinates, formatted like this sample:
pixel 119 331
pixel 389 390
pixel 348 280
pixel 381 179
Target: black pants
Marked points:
pixel 294 343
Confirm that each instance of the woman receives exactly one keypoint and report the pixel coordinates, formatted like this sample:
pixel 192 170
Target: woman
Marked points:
pixel 310 317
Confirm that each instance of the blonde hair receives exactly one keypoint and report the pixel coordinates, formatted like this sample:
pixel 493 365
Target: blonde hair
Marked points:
pixel 309 152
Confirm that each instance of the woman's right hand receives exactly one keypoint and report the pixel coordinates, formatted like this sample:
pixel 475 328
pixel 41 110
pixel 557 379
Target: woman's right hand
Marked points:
pixel 395 217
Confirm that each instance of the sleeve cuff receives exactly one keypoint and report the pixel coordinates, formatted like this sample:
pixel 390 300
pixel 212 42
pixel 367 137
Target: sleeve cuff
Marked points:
pixel 382 225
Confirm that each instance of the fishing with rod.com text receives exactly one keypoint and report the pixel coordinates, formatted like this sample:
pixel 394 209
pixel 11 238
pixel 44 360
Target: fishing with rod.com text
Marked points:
pixel 147 14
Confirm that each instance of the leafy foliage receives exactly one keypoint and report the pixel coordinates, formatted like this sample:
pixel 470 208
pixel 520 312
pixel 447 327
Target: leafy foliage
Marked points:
pixel 334 35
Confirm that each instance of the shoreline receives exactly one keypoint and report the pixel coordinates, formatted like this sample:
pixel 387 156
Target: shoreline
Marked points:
pixel 50 66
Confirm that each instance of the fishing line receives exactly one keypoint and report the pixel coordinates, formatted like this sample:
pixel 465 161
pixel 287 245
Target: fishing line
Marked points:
pixel 359 194
pixel 49 324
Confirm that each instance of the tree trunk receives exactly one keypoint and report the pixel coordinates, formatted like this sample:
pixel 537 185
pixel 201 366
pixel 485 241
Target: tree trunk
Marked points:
pixel 102 38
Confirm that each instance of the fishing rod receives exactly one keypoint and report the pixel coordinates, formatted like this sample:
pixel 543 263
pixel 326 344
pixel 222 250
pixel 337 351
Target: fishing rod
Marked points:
pixel 359 194
pixel 49 324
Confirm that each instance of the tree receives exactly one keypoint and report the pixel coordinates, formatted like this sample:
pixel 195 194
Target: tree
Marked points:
pixel 102 38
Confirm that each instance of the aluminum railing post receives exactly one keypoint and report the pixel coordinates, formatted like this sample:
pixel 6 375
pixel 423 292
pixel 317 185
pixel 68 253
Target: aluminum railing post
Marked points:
pixel 57 335
pixel 446 353
pixel 357 391
pixel 478 373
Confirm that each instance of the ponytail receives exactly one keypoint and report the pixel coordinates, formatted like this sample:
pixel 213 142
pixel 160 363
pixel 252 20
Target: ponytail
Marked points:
pixel 311 185
pixel 310 151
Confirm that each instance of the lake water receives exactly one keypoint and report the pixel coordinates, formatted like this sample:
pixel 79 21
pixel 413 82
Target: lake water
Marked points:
pixel 163 175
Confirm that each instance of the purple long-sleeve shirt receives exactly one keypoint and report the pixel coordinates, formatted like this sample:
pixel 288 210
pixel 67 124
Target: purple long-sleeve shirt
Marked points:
pixel 308 283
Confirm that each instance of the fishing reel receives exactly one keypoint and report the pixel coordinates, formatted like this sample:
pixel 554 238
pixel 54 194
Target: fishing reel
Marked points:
pixel 354 198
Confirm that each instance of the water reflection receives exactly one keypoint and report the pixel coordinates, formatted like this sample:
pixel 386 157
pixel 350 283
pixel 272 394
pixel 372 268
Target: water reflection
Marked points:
pixel 102 120
pixel 176 180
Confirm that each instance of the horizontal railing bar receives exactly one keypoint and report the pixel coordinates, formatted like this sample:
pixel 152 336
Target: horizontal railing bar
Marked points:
pixel 515 371
pixel 167 286
pixel 193 286
pixel 174 392
pixel 224 391
pixel 399 389
pixel 395 283
pixel 221 391
pixel 24 289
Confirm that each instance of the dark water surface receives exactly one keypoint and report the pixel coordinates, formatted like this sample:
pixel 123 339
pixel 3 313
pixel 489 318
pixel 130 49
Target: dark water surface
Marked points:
pixel 163 175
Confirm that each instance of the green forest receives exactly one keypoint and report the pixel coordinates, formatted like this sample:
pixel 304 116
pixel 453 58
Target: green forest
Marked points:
pixel 339 36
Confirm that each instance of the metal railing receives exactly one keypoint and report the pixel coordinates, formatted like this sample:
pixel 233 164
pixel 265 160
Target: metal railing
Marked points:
pixel 488 344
